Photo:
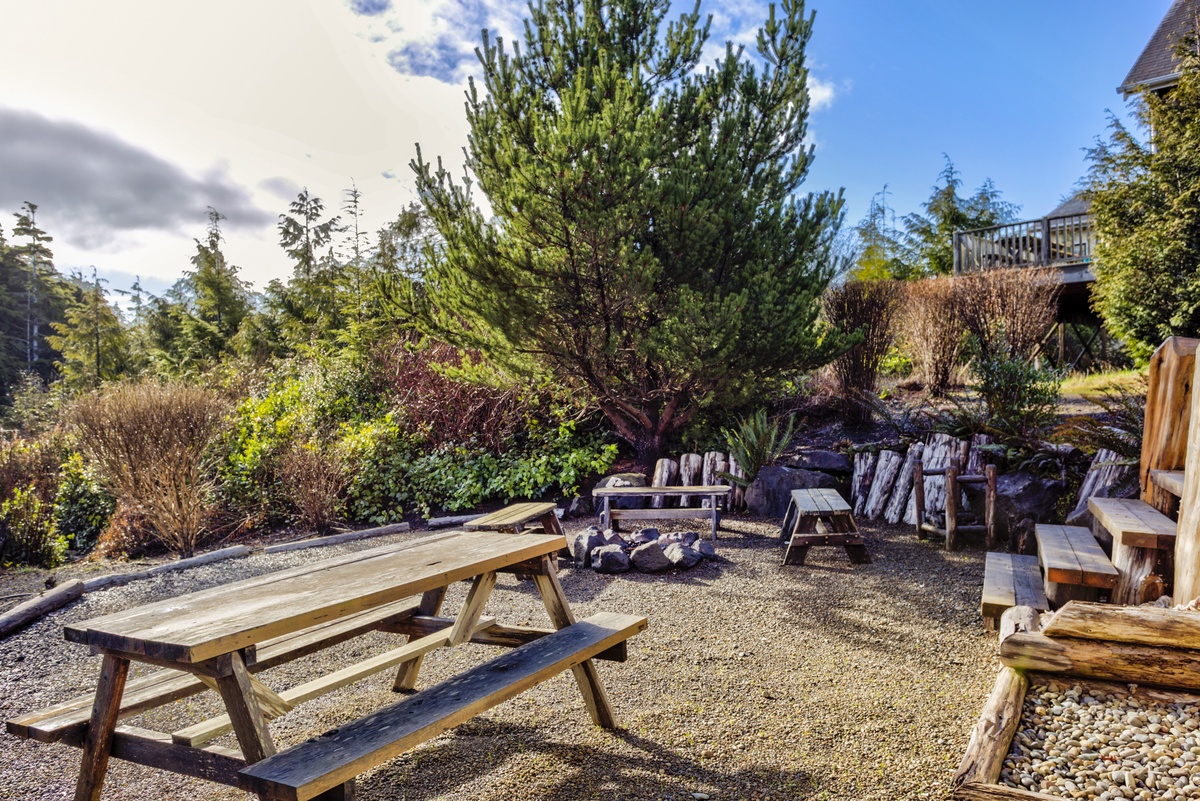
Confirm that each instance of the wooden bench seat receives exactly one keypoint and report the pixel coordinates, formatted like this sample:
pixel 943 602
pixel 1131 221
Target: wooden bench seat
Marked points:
pixel 1074 565
pixel 335 758
pixel 1143 546
pixel 68 721
pixel 1010 579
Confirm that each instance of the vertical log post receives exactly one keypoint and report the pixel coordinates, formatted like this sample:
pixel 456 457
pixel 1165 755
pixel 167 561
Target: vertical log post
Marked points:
pixel 665 471
pixel 989 505
pixel 690 465
pixel 952 491
pixel 919 490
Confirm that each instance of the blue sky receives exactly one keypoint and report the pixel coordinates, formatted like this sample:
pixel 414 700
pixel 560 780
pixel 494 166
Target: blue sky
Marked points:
pixel 124 125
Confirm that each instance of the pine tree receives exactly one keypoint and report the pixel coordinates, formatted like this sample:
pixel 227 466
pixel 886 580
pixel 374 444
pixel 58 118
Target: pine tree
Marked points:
pixel 649 247
pixel 1146 208
pixel 92 338
pixel 220 299
pixel 302 233
pixel 44 294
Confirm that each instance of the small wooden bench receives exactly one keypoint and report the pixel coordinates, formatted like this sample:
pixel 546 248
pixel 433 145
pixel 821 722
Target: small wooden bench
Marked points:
pixel 820 517
pixel 1010 579
pixel 1073 563
pixel 330 761
pixel 516 517
pixel 1143 543
pixel 713 493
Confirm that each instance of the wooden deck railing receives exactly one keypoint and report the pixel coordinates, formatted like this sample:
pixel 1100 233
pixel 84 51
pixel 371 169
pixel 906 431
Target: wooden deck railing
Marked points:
pixel 1050 241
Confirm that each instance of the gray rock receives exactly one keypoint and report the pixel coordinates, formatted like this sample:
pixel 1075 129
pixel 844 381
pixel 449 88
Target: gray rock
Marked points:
pixel 624 480
pixel 682 556
pixel 771 491
pixel 825 461
pixel 1019 496
pixel 649 558
pixel 613 538
pixel 583 543
pixel 610 559
pixel 706 549
pixel 644 535
pixel 581 506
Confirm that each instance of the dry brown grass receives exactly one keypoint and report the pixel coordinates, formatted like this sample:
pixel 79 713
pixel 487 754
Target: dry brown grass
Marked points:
pixel 932 324
pixel 314 480
pixel 869 308
pixel 153 444
pixel 1008 311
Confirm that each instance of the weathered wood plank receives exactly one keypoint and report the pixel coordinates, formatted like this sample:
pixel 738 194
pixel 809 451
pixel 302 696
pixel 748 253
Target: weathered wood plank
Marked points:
pixel 665 473
pixel 512 516
pixel 338 539
pixel 902 489
pixel 305 770
pixel 887 470
pixel 1134 522
pixel 1170 409
pixel 216 621
pixel 1057 556
pixel 691 466
pixel 495 634
pixel 1169 480
pixel 1097 570
pixel 694 489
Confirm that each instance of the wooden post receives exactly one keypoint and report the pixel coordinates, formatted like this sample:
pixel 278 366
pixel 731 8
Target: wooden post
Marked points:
pixel 1168 407
pixel 1062 345
pixel 1187 540
pixel 919 490
pixel 737 497
pixel 989 505
pixel 952 491
pixel 665 471
pixel 714 463
pixel 690 465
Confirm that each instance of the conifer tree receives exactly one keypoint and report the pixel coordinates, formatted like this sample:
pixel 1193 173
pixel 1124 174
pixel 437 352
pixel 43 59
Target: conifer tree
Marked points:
pixel 91 338
pixel 648 245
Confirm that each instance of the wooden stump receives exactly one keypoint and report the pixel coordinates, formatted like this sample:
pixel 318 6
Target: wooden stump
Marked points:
pixel 1133 565
pixel 862 479
pixel 665 471
pixel 714 464
pixel 737 497
pixel 887 469
pixel 902 489
pixel 690 471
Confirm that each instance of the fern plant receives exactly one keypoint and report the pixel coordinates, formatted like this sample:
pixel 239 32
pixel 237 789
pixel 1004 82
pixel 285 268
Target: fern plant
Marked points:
pixel 1118 430
pixel 755 441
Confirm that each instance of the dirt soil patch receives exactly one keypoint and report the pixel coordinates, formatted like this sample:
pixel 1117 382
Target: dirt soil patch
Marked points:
pixel 753 681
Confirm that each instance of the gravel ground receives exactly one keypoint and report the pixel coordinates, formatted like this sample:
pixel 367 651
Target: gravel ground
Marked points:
pixel 753 681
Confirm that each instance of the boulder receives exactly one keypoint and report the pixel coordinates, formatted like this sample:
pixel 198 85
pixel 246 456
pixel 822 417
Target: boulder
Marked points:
pixel 649 558
pixel 706 549
pixel 648 534
pixel 771 491
pixel 580 506
pixel 610 559
pixel 613 538
pixel 624 480
pixel 1019 496
pixel 825 461
pixel 583 543
pixel 682 557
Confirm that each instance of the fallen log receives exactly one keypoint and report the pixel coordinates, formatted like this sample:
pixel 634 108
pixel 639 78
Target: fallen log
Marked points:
pixel 23 614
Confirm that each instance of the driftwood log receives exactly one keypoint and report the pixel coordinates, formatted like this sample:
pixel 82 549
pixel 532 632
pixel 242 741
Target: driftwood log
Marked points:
pixel 691 466
pixel 938 453
pixel 902 489
pixel 1141 625
pixel 714 464
pixel 862 480
pixel 887 470
pixel 665 472
pixel 737 497
pixel 1168 408
pixel 997 723
pixel 29 611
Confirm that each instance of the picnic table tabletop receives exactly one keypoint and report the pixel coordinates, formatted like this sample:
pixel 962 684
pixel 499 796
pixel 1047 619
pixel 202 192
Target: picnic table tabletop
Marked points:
pixel 202 625
pixel 517 514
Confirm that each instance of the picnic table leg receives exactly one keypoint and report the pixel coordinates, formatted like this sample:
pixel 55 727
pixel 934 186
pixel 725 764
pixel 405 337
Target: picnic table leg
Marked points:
pixel 406 676
pixel 244 712
pixel 586 676
pixel 98 745
pixel 716 515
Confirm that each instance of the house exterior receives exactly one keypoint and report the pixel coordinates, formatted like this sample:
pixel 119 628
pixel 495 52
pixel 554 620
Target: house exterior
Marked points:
pixel 1157 69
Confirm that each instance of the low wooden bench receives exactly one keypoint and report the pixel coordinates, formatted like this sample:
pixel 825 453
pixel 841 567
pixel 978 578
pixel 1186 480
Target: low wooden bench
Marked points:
pixel 712 493
pixel 328 762
pixel 517 517
pixel 1166 491
pixel 1073 563
pixel 1010 579
pixel 820 517
pixel 1142 540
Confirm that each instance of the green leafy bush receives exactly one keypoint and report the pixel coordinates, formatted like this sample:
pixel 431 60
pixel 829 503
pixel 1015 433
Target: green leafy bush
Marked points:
pixel 27 533
pixel 82 506
pixel 1019 397
pixel 756 441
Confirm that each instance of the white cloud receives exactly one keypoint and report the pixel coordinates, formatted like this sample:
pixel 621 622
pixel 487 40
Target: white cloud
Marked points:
pixel 820 93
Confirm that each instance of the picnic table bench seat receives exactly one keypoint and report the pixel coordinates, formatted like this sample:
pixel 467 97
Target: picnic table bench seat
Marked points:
pixel 1010 579
pixel 1143 543
pixel 609 515
pixel 1074 565
pixel 330 761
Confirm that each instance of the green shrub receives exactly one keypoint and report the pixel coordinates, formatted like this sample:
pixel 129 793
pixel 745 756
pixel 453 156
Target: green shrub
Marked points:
pixel 757 441
pixel 27 533
pixel 82 506
pixel 1019 397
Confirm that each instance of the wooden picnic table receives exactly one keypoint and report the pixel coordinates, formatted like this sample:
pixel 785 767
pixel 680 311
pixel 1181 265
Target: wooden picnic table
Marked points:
pixel 215 638
pixel 710 493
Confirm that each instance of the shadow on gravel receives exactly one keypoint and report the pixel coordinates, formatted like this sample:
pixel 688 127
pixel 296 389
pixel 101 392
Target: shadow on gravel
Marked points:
pixel 633 767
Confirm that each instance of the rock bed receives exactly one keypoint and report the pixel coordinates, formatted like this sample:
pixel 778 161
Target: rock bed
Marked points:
pixel 1081 741
pixel 646 550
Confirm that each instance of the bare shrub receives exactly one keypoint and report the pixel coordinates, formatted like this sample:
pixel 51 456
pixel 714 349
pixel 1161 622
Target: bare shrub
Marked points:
pixel 869 308
pixel 933 327
pixel 1008 312
pixel 314 481
pixel 153 444
pixel 26 463
pixel 128 533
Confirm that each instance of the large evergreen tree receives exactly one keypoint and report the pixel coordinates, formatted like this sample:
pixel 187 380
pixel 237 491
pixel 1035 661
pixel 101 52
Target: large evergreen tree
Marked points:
pixel 648 244
pixel 91 338
pixel 1146 209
